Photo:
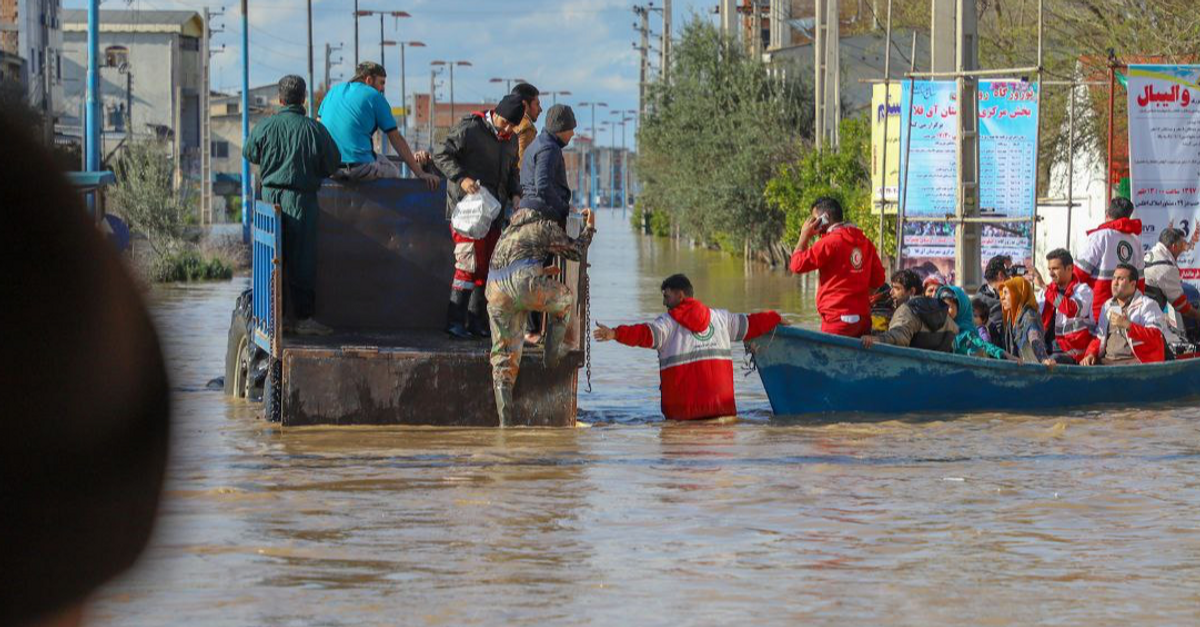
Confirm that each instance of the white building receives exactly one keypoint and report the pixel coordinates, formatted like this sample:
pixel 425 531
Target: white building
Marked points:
pixel 151 79
pixel 32 31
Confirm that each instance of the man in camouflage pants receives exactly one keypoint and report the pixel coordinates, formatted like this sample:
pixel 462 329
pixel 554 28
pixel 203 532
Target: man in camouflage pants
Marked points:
pixel 518 284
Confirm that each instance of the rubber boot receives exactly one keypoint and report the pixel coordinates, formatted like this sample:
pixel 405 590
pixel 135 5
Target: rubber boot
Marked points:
pixel 555 348
pixel 504 403
pixel 477 315
pixel 456 315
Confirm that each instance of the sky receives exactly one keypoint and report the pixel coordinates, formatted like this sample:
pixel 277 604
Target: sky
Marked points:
pixel 581 46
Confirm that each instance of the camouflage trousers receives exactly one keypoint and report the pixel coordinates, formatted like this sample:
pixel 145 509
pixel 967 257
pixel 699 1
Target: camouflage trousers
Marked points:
pixel 510 300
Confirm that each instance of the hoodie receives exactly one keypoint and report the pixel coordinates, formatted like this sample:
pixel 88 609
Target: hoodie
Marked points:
pixel 695 364
pixel 1112 243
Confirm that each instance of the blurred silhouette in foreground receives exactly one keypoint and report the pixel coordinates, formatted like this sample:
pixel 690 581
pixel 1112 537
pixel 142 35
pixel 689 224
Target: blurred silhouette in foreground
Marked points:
pixel 85 398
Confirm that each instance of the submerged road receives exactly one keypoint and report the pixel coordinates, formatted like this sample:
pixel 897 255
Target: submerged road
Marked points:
pixel 1079 518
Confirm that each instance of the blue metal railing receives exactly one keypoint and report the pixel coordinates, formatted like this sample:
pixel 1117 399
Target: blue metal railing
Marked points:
pixel 267 238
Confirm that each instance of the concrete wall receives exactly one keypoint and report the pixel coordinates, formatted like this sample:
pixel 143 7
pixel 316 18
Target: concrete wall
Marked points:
pixel 152 61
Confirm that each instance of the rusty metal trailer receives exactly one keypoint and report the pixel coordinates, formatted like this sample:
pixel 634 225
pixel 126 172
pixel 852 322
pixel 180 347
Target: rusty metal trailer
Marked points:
pixel 385 259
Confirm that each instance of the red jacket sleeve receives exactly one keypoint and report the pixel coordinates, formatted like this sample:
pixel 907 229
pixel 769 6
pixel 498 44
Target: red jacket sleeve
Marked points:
pixel 1093 347
pixel 760 323
pixel 1084 277
pixel 635 335
pixel 1150 347
pixel 809 260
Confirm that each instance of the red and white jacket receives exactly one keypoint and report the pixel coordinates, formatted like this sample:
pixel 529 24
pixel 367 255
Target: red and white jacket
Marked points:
pixel 1145 332
pixel 1070 311
pixel 695 365
pixel 1111 243
pixel 849 270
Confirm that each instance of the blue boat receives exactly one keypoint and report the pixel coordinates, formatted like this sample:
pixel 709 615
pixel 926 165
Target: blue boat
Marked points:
pixel 809 372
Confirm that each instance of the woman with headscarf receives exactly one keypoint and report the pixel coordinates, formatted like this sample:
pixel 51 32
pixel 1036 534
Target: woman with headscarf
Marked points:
pixel 968 341
pixel 1023 330
pixel 932 283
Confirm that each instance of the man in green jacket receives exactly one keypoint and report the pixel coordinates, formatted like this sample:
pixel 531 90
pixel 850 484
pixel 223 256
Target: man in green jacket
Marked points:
pixel 294 153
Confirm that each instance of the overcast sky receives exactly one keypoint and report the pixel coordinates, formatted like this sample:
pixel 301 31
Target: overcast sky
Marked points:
pixel 581 46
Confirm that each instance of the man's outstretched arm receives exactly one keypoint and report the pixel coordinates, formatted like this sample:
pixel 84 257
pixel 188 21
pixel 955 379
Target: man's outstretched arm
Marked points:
pixel 639 335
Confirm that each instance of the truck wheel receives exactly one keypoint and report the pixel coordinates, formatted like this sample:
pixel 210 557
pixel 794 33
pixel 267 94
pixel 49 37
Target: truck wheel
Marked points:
pixel 273 392
pixel 239 336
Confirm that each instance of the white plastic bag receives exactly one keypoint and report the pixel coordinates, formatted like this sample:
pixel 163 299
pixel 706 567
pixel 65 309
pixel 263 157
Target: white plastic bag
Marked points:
pixel 474 214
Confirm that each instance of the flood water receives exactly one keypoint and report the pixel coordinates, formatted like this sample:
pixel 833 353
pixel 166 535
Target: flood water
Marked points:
pixel 1083 518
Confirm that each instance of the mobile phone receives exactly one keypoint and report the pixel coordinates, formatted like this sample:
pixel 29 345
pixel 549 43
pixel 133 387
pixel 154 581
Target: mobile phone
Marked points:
pixel 823 222
pixel 1018 270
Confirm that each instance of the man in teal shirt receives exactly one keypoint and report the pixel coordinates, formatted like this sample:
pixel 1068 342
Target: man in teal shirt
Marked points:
pixel 352 112
pixel 294 154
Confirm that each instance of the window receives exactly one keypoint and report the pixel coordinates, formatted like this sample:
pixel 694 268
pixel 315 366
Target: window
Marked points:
pixel 116 56
pixel 220 150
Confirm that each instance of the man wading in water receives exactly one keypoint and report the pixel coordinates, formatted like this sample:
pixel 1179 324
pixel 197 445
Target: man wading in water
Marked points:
pixel 695 366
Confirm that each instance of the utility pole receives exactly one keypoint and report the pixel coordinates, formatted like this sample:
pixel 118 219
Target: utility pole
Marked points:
pixel 311 78
pixel 665 68
pixel 206 212
pixel 432 105
pixel 826 48
pixel 955 50
pixel 247 190
pixel 329 50
pixel 356 35
pixel 644 49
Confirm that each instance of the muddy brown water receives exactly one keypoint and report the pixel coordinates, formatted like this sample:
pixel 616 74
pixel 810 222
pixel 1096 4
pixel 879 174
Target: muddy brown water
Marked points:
pixel 1080 518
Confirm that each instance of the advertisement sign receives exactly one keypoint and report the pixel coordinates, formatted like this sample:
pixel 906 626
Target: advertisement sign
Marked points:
pixel 885 114
pixel 1164 154
pixel 1008 120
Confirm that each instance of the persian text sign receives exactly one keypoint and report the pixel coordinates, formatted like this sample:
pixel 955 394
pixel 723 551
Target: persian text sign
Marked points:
pixel 1164 154
pixel 885 125
pixel 1008 122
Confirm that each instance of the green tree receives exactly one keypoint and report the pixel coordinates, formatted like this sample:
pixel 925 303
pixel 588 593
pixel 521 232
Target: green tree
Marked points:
pixel 145 196
pixel 713 136
pixel 844 174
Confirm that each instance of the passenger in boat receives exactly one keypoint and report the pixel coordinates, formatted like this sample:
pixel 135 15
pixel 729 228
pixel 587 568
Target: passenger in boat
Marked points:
pixel 967 342
pixel 294 154
pixel 848 267
pixel 352 112
pixel 480 152
pixel 520 283
pixel 1066 306
pixel 995 273
pixel 1023 330
pixel 1115 242
pixel 919 321
pixel 1164 285
pixel 1131 326
pixel 981 311
pixel 931 284
pixel 526 132
pixel 695 366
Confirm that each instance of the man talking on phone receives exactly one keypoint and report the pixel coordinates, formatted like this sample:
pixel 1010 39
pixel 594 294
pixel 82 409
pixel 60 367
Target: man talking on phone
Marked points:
pixel 848 267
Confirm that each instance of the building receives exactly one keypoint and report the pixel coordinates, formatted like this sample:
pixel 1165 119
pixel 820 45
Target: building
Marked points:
pixel 31 30
pixel 226 112
pixel 151 80
pixel 862 59
pixel 418 134
pixel 12 68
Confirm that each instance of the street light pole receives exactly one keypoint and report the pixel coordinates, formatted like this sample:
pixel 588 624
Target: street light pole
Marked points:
pixel 592 166
pixel 355 34
pixel 311 92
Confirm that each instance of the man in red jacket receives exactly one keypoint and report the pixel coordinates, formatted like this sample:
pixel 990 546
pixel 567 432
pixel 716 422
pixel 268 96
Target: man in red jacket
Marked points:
pixel 695 366
pixel 1117 241
pixel 848 267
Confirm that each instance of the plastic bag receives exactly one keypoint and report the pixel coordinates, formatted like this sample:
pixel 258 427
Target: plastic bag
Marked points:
pixel 474 214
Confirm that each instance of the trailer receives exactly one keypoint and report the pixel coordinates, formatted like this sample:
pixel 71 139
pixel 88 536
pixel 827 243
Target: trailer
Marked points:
pixel 385 260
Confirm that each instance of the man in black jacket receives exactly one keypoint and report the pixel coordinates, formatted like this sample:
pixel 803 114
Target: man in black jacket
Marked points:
pixel 480 152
